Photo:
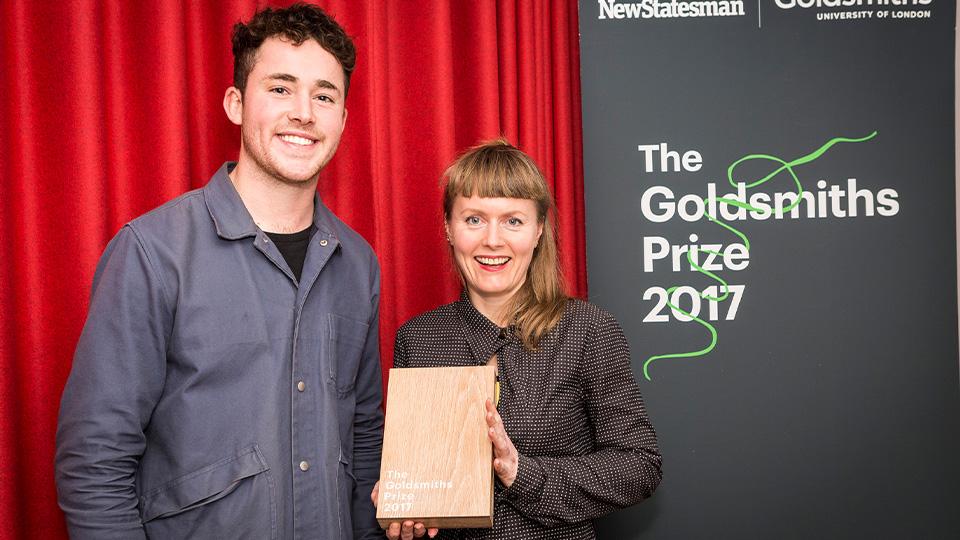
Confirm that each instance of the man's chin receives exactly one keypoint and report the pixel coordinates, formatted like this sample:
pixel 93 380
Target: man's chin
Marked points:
pixel 291 172
pixel 297 176
pixel 298 180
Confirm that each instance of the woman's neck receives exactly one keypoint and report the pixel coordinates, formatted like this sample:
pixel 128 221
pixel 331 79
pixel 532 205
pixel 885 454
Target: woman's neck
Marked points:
pixel 495 308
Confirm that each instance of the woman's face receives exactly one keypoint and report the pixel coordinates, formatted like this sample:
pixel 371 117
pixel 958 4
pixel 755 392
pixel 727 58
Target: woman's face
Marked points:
pixel 493 241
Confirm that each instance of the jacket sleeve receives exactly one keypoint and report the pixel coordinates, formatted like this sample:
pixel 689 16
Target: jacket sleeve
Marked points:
pixel 368 426
pixel 624 467
pixel 116 379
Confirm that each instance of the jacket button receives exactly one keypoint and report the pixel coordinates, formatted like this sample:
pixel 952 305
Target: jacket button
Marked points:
pixel 323 242
pixel 301 386
pixel 304 465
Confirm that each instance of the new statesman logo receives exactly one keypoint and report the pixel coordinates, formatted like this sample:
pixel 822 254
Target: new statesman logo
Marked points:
pixel 669 9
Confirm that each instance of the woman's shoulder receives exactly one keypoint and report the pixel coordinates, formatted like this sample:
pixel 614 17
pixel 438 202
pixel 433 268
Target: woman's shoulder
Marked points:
pixel 580 311
pixel 583 322
pixel 431 320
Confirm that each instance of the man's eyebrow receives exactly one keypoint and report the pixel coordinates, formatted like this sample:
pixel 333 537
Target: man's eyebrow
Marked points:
pixel 323 83
pixel 320 83
pixel 282 77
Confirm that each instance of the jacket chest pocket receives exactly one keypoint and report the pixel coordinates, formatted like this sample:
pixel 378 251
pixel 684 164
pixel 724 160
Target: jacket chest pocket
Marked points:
pixel 347 338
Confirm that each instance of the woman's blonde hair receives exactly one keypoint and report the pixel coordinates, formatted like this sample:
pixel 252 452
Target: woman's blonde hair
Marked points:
pixel 498 169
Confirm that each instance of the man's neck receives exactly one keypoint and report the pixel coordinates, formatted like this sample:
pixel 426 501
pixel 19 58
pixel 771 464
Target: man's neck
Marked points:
pixel 275 206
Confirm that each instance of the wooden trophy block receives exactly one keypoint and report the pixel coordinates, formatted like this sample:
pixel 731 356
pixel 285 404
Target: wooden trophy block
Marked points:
pixel 437 464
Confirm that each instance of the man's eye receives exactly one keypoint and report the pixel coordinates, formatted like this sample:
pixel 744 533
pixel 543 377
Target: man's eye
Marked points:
pixel 324 98
pixel 279 90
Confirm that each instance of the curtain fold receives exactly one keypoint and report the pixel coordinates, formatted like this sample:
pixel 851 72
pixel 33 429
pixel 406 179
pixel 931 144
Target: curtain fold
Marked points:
pixel 112 108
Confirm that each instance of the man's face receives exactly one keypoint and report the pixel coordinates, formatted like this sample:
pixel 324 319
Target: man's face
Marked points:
pixel 292 113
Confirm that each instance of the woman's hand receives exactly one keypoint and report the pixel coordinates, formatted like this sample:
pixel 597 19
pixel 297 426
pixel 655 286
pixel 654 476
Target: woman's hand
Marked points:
pixel 505 455
pixel 403 531
pixel 408 530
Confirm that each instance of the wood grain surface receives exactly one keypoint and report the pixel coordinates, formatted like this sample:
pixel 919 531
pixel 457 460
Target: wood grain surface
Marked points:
pixel 437 460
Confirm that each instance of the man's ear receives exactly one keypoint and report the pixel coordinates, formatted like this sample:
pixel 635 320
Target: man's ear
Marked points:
pixel 233 105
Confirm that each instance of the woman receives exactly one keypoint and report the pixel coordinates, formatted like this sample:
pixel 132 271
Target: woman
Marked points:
pixel 571 438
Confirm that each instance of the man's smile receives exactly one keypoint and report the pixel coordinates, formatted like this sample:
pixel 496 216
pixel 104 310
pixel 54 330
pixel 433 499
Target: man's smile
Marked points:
pixel 298 140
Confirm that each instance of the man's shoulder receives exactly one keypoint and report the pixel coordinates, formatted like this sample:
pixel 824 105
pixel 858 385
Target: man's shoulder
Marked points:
pixel 154 232
pixel 353 243
pixel 180 232
pixel 201 207
pixel 170 217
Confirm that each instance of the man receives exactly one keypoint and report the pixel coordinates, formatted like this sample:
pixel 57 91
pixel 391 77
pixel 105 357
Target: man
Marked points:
pixel 227 380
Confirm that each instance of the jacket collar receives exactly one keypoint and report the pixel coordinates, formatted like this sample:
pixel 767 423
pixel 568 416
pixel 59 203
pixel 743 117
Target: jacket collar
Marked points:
pixel 231 217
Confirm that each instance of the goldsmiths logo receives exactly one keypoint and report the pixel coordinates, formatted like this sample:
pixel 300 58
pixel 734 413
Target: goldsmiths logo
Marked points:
pixel 788 4
pixel 669 9
pixel 860 10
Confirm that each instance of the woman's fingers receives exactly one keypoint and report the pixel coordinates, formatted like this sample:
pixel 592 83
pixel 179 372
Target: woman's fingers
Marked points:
pixel 409 530
pixel 504 452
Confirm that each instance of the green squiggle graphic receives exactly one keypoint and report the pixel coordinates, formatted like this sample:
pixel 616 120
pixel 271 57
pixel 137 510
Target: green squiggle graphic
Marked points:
pixel 692 252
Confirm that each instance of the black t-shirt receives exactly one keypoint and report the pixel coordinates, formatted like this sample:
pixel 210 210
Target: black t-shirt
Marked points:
pixel 293 247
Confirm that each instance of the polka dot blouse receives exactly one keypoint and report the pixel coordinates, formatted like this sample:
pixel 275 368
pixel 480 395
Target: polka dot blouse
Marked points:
pixel 572 408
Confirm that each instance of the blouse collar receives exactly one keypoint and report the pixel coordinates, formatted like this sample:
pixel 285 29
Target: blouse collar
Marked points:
pixel 483 335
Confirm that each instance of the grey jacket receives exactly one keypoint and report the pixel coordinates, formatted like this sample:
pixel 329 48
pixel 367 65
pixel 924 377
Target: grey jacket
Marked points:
pixel 214 396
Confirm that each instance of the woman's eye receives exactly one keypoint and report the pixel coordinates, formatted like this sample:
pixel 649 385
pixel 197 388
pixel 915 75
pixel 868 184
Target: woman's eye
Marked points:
pixel 473 220
pixel 514 222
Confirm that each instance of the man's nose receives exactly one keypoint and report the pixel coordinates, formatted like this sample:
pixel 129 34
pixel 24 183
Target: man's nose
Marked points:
pixel 301 109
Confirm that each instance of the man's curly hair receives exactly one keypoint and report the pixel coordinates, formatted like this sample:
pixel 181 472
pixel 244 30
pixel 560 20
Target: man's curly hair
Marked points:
pixel 296 24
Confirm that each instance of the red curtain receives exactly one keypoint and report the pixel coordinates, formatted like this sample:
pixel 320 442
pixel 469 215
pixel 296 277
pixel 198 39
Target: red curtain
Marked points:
pixel 110 108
